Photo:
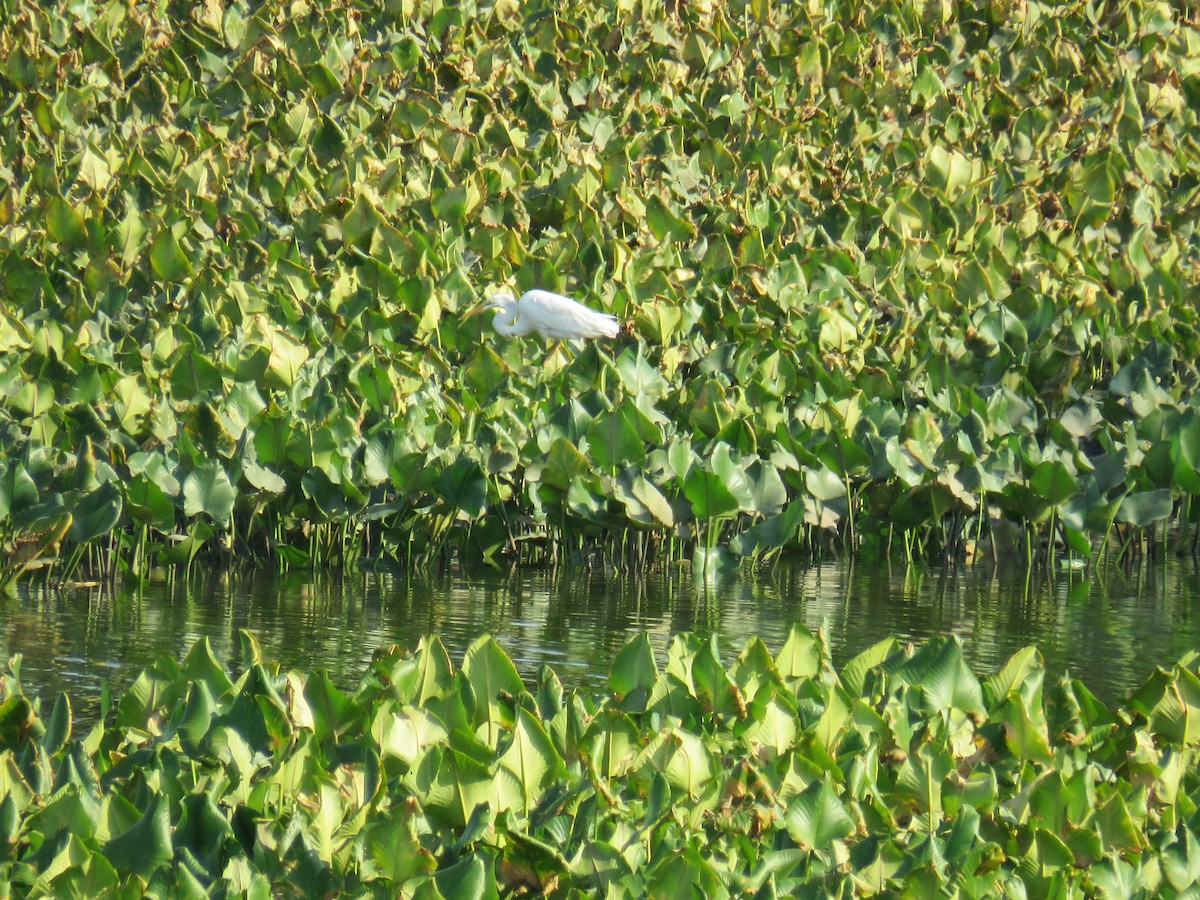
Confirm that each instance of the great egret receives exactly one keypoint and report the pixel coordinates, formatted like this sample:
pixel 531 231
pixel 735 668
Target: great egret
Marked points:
pixel 551 315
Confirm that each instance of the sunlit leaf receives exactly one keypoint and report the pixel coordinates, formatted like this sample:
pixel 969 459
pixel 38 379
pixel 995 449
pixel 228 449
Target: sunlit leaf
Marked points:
pixel 167 258
pixel 531 760
pixel 708 494
pixel 634 670
pixel 816 817
pixel 208 490
pixel 493 677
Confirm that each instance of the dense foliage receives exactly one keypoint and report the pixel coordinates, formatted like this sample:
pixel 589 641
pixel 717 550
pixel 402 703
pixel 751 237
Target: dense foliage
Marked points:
pixel 902 774
pixel 912 277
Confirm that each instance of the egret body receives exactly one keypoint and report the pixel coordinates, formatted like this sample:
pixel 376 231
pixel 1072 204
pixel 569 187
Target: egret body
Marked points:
pixel 550 315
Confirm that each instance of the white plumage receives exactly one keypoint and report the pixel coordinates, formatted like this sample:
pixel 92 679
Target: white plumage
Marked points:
pixel 551 315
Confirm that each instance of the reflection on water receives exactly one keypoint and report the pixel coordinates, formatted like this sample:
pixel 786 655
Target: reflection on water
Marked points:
pixel 1111 632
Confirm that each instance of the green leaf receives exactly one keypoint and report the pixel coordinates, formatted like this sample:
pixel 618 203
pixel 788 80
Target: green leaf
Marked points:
pixel 335 498
pixel 204 832
pixel 733 475
pixel 58 726
pixel 194 377
pixel 800 656
pixel 332 711
pixel 18 490
pixel 472 878
pixel 1025 732
pixel 1170 701
pixel 94 170
pixel 360 221
pixel 564 465
pixel 689 873
pixel 96 514
pixel 167 258
pixel 1117 829
pixel 815 817
pixel 1052 853
pixel 463 485
pixel 952 171
pixel 645 503
pixel 531 762
pixel 286 359
pixel 920 778
pixel 65 224
pixel 709 496
pixel 299 280
pixel 85 478
pixel 773 724
pixel 638 376
pixel 261 478
pixel 208 490
pixel 130 236
pixel 406 734
pixel 1185 455
pixel 146 845
pixel 394 847
pixel 1025 666
pixel 612 741
pixel 634 672
pixel 460 785
pixel 683 759
pixel 450 205
pixel 768 495
pixel 824 484
pixel 665 224
pixel 184 551
pixel 854 673
pixel 614 440
pixel 1145 508
pixel 1052 482
pixel 950 684
pixel 926 86
pixel 1181 862
pixel 658 320
pixel 493 678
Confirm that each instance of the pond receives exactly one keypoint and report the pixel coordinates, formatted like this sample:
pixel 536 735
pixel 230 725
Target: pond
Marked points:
pixel 1109 631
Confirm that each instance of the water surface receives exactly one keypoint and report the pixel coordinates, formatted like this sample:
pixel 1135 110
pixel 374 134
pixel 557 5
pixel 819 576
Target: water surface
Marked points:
pixel 1109 631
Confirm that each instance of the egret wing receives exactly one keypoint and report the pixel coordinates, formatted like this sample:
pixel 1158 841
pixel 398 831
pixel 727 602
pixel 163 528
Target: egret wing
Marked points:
pixel 556 316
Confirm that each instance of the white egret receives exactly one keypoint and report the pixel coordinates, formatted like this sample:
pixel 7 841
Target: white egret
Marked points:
pixel 551 315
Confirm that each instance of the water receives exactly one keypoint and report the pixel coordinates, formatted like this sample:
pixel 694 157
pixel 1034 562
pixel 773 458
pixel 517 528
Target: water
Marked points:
pixel 1110 632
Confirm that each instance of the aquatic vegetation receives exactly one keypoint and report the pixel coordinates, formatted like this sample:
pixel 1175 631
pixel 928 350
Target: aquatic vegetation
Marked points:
pixel 902 772
pixel 923 285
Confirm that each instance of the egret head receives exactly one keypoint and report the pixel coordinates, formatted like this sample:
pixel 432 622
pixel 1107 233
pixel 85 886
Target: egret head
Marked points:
pixel 495 303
